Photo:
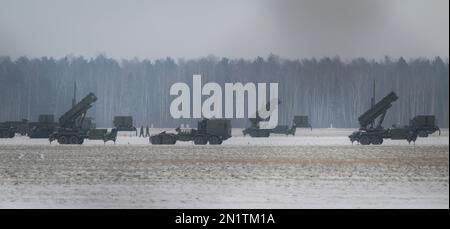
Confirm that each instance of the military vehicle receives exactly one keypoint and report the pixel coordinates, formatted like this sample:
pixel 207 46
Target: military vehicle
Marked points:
pixel 300 121
pixel 103 134
pixel 19 127
pixel 255 131
pixel 424 125
pixel 121 123
pixel 43 128
pixel 69 130
pixel 212 131
pixel 40 129
pixel 372 132
pixel 124 123
pixel 7 130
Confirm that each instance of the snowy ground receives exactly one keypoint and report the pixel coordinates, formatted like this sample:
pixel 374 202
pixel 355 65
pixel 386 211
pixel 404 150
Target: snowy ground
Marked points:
pixel 318 169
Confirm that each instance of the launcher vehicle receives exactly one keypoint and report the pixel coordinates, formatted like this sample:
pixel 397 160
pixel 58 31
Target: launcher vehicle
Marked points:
pixel 372 132
pixel 70 129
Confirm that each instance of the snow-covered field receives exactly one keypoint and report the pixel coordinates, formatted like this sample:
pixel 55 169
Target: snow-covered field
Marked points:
pixel 314 169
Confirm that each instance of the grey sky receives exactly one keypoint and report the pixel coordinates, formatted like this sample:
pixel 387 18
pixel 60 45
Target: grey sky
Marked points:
pixel 225 28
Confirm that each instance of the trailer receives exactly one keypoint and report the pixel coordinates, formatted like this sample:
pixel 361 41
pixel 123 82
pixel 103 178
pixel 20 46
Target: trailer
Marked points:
pixel 212 131
pixel 103 134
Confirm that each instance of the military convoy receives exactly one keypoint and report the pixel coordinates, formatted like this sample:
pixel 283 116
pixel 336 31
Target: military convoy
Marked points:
pixel 74 127
pixel 212 131
pixel 372 132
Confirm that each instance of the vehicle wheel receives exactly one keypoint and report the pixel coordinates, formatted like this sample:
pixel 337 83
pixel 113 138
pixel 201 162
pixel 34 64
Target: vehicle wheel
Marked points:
pixel 199 140
pixel 364 140
pixel 62 140
pixel 73 140
pixel 214 140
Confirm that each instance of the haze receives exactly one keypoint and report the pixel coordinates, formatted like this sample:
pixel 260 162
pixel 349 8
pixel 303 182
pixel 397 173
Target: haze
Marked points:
pixel 232 28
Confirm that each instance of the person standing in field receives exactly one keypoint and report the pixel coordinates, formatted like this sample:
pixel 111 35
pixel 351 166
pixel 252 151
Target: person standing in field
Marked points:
pixel 141 134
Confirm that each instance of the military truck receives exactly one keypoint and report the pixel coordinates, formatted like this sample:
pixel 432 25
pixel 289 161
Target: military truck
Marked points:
pixel 70 129
pixel 212 131
pixel 424 125
pixel 124 123
pixel 40 129
pixel 19 127
pixel 372 132
pixel 7 130
pixel 43 128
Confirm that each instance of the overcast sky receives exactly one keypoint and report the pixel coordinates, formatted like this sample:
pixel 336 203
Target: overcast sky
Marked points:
pixel 225 28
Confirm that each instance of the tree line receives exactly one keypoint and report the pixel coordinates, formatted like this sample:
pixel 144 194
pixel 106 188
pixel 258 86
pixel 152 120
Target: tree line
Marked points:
pixel 331 91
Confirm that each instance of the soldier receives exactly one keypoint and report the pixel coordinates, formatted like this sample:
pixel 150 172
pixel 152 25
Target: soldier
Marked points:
pixel 141 134
pixel 147 132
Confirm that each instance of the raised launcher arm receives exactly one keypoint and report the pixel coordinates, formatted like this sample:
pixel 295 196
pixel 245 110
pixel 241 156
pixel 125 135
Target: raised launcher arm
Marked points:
pixel 69 119
pixel 379 109
pixel 255 121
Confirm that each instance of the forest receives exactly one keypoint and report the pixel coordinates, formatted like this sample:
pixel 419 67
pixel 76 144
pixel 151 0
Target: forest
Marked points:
pixel 331 91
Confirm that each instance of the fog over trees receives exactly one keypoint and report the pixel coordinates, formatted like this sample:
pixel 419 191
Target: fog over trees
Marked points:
pixel 329 90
